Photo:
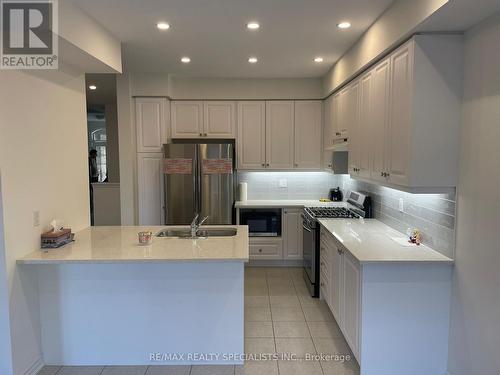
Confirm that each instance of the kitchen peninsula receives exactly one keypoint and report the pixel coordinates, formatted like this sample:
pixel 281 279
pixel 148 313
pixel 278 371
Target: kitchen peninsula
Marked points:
pixel 104 299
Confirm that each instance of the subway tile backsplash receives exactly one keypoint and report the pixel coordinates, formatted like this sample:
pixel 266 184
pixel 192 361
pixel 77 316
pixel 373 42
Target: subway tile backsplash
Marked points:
pixel 433 214
pixel 300 185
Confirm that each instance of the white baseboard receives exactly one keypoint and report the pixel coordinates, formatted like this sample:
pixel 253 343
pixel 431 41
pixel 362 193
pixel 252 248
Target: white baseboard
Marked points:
pixel 35 367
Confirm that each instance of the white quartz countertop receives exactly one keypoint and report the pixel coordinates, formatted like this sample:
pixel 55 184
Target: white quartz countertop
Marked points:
pixel 119 244
pixel 286 203
pixel 371 241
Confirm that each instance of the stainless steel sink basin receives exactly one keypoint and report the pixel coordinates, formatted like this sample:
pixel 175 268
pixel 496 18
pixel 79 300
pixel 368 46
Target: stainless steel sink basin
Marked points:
pixel 200 233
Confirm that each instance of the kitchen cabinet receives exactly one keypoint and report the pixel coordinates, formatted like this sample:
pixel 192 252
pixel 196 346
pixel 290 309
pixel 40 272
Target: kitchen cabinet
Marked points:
pixel 280 134
pixel 251 144
pixel 331 112
pixel 187 119
pixel 380 96
pixel 413 120
pixel 292 233
pixel 150 188
pixel 219 119
pixel 341 281
pixel 151 116
pixel 359 144
pixel 198 119
pixel 265 249
pixel 351 301
pixel 307 148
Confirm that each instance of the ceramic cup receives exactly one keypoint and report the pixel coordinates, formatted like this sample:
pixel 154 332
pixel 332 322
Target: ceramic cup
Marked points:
pixel 145 238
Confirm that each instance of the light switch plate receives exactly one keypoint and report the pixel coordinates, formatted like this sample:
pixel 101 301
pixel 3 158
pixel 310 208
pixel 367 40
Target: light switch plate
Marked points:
pixel 283 183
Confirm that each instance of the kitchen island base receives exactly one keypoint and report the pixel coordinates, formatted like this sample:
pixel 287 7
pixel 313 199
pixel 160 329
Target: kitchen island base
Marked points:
pixel 141 313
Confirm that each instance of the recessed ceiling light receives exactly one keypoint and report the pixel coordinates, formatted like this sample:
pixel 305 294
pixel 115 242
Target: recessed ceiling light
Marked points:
pixel 252 60
pixel 344 25
pixel 185 59
pixel 318 59
pixel 163 25
pixel 92 87
pixel 253 25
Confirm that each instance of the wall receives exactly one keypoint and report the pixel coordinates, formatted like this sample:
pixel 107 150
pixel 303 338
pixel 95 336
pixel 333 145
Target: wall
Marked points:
pixel 433 214
pixel 144 84
pixel 112 144
pixel 43 162
pixel 398 22
pixel 126 141
pixel 301 185
pixel 475 330
pixel 5 344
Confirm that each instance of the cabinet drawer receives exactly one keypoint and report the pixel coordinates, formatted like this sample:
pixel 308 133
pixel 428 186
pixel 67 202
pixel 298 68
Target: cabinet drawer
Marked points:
pixel 324 287
pixel 266 251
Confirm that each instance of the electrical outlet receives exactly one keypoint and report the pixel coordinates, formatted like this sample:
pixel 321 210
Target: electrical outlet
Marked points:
pixel 36 218
pixel 283 183
pixel 401 205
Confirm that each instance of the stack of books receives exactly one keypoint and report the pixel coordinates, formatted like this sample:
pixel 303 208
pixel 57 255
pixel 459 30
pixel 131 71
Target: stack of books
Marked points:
pixel 55 239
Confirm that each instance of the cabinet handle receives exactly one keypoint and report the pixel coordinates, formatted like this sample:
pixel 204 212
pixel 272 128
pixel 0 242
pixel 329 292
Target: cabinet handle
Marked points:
pixel 267 165
pixel 322 284
pixel 337 133
pixel 339 251
pixel 329 165
pixel 260 250
pixel 205 134
pixel 381 174
pixel 296 165
pixel 201 134
pixel 263 164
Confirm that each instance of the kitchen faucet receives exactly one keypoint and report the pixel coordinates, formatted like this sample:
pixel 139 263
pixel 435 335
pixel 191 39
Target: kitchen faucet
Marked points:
pixel 195 224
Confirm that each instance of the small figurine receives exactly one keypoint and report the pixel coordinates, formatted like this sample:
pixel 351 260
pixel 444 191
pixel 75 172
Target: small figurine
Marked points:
pixel 415 236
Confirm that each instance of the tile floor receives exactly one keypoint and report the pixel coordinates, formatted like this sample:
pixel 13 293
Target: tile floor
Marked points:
pixel 280 317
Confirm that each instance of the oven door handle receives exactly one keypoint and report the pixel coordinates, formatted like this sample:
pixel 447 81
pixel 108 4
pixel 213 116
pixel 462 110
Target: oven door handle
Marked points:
pixel 306 228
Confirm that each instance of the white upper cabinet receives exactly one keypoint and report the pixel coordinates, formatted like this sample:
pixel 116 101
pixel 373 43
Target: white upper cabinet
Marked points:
pixel 151 126
pixel 380 97
pixel 280 134
pixel 413 121
pixel 251 145
pixel 219 119
pixel 198 119
pixel 308 121
pixel 187 119
pixel 398 135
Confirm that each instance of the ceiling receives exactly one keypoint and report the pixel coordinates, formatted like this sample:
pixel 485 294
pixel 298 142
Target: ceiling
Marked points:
pixel 213 34
pixel 106 89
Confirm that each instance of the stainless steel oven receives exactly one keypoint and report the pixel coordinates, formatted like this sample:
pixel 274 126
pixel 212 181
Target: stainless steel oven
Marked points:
pixel 310 235
pixel 262 222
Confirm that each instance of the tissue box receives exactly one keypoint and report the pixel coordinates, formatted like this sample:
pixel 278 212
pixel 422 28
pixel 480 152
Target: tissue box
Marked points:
pixel 51 240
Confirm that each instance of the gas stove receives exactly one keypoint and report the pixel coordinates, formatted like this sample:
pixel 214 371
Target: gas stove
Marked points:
pixel 357 205
pixel 331 213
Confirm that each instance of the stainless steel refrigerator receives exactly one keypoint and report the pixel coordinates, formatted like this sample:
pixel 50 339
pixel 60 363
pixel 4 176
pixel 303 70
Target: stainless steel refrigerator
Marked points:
pixel 199 179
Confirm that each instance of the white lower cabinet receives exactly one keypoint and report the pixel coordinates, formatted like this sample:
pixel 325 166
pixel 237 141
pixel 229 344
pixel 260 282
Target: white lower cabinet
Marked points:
pixel 150 188
pixel 266 248
pixel 292 233
pixel 340 283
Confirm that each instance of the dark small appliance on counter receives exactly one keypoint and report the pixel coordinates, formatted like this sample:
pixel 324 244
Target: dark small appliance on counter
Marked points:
pixel 336 195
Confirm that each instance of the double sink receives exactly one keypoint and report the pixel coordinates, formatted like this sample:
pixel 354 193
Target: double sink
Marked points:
pixel 200 233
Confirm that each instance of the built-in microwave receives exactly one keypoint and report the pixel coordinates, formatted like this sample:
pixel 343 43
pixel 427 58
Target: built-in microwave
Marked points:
pixel 262 222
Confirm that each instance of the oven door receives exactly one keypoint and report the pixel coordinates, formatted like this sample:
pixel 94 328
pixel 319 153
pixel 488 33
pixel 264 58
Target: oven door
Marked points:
pixel 310 239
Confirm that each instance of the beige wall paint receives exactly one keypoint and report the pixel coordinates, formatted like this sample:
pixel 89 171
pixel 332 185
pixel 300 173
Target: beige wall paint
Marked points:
pixel 43 163
pixel 126 140
pixel 475 329
pixel 398 22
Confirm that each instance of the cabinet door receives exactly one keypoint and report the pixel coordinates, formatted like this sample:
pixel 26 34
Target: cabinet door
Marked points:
pixel 219 119
pixel 307 150
pixel 187 119
pixel 351 302
pixel 150 124
pixel 292 220
pixel 351 109
pixel 271 250
pixel 380 113
pixel 336 286
pixel 398 139
pixel 279 134
pixel 251 135
pixel 343 113
pixel 361 137
pixel 329 123
pixel 150 188
pixel 335 116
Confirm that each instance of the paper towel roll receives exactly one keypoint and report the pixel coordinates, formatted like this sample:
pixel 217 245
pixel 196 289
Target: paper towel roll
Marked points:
pixel 243 191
